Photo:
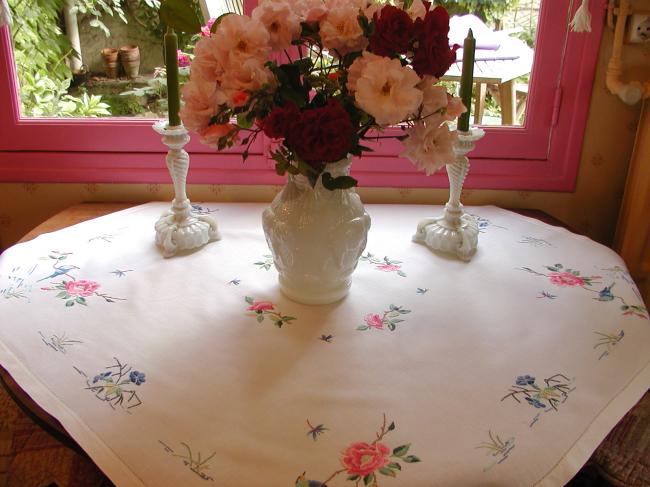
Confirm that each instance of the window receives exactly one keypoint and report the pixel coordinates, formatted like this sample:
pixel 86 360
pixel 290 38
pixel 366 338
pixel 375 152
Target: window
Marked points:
pixel 542 154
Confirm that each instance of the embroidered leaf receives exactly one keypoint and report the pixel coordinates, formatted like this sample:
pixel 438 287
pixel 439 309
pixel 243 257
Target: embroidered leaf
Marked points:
pixel 401 273
pixel 279 323
pixel 81 300
pixel 248 299
pixel 387 471
pixel 411 459
pixel 368 479
pixel 63 295
pixel 260 318
pixel 353 477
pixel 69 303
pixel 63 257
pixel 404 311
pixel 391 326
pixel 396 321
pixel 400 451
pixel 392 314
pixel 391 426
pixel 288 318
pixel 362 327
pixel 394 466
pixel 392 307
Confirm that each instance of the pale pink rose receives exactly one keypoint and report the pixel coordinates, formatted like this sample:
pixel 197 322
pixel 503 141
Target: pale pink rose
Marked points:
pixel 373 320
pixel 212 133
pixel 248 75
pixel 239 38
pixel 310 10
pixel 454 108
pixel 388 91
pixel 209 61
pixel 389 267
pixel 435 96
pixel 280 21
pixel 430 146
pixel 183 59
pixel 364 458
pixel 565 279
pixel 202 100
pixel 340 31
pixel 81 287
pixel 417 10
pixel 261 306
pixel 356 69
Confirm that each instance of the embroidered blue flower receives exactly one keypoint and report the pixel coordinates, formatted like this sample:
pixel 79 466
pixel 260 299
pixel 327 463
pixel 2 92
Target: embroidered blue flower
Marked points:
pixel 102 376
pixel 136 377
pixel 535 402
pixel 525 380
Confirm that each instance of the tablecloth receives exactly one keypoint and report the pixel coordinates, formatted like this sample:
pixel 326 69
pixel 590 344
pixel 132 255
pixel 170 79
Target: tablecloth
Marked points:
pixel 195 370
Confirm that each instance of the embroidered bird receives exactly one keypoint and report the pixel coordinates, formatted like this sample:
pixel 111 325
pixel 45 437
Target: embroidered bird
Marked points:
pixel 60 271
pixel 606 293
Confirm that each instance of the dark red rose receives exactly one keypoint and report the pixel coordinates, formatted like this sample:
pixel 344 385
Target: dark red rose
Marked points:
pixel 433 55
pixel 280 121
pixel 393 32
pixel 322 134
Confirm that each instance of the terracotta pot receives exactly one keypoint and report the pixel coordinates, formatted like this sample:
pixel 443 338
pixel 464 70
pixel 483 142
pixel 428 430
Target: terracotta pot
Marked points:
pixel 109 55
pixel 130 57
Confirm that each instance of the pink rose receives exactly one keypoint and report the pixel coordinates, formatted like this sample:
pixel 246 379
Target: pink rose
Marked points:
pixel 388 267
pixel 565 279
pixel 183 59
pixel 81 287
pixel 373 320
pixel 261 306
pixel 363 458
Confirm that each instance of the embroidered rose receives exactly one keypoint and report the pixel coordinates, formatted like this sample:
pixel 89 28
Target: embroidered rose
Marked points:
pixel 373 320
pixel 566 279
pixel 261 306
pixel 389 267
pixel 363 458
pixel 81 287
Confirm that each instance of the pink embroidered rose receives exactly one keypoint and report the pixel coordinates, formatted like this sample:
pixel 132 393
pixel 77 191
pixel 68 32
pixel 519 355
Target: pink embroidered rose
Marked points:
pixel 363 458
pixel 81 287
pixel 261 306
pixel 566 279
pixel 389 267
pixel 373 320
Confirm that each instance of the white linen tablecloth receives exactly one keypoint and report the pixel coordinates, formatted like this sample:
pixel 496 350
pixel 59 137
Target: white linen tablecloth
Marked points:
pixel 195 370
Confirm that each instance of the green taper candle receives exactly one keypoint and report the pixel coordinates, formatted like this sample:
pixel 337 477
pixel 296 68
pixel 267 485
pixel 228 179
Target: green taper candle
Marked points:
pixel 171 62
pixel 467 80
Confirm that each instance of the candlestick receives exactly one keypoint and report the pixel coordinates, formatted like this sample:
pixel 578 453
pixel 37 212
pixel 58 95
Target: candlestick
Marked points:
pixel 467 80
pixel 171 62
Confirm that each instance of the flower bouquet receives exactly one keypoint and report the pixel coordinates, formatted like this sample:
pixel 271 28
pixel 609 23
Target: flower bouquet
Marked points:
pixel 320 78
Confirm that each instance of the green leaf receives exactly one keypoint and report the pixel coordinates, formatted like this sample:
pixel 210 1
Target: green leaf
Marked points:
pixel 260 318
pixel 180 16
pixel 69 303
pixel 391 426
pixel 63 295
pixel 244 120
pixel 353 477
pixel 249 300
pixel 362 328
pixel 217 21
pixel 368 479
pixel 63 257
pixel 387 471
pixel 81 300
pixel 400 451
pixel 341 182
pixel 411 459
pixel 394 466
pixel 391 326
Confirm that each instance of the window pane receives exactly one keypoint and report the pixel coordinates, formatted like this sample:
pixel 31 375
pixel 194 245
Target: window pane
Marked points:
pixel 505 34
pixel 96 58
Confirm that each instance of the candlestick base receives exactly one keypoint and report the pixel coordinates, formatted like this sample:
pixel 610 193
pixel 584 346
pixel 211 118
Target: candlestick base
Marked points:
pixel 179 229
pixel 455 232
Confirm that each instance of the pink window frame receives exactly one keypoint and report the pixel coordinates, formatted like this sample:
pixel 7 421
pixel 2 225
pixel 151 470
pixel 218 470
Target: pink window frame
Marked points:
pixel 542 155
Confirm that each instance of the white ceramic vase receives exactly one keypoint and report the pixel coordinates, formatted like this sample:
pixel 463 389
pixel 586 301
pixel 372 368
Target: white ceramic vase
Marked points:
pixel 316 237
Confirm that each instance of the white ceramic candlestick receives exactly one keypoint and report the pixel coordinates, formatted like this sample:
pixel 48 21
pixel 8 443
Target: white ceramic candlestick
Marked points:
pixel 455 232
pixel 180 229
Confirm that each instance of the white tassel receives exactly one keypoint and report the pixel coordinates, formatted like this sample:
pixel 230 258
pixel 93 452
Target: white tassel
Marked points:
pixel 582 19
pixel 5 14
